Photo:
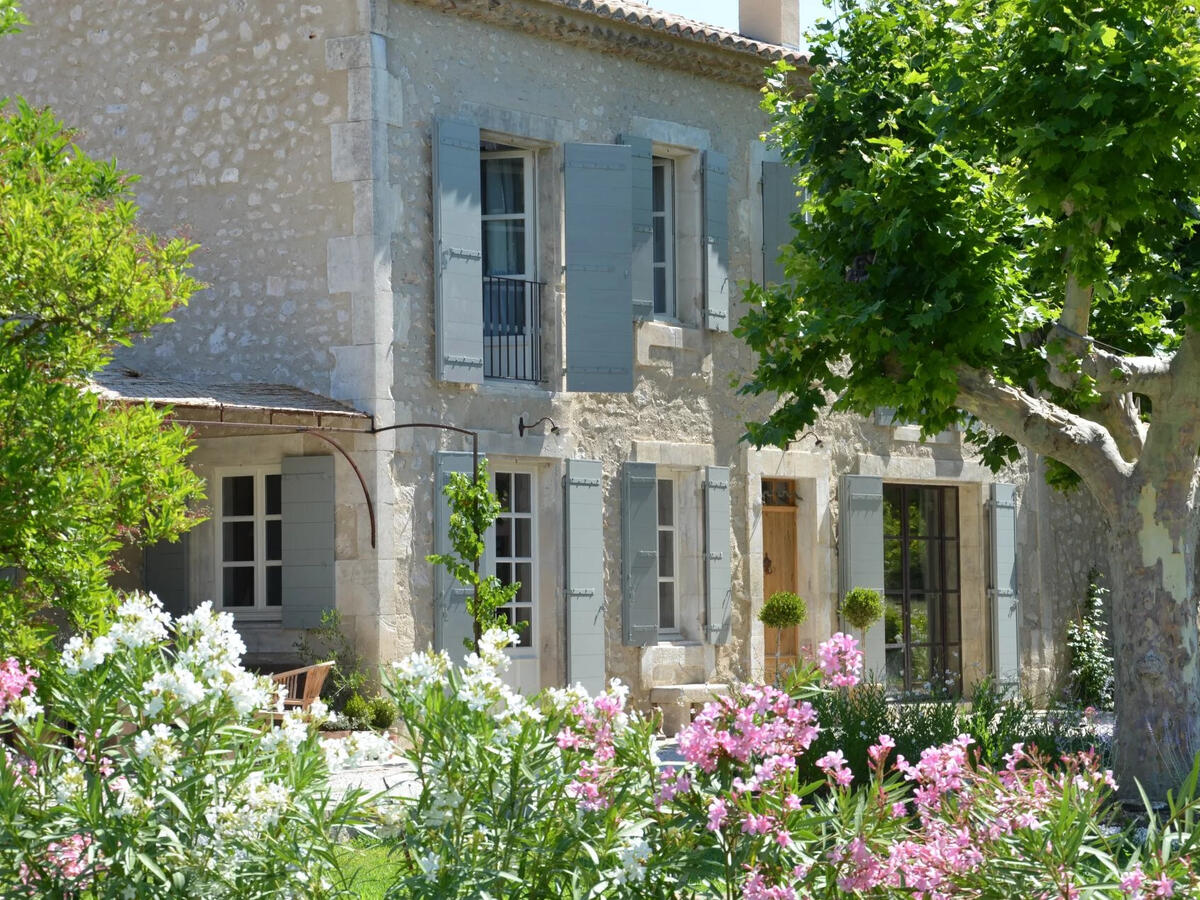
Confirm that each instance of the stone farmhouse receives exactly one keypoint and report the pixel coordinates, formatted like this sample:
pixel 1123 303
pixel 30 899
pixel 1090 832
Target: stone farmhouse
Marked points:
pixel 528 220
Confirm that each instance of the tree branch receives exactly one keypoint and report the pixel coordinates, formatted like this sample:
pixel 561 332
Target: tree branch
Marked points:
pixel 1112 373
pixel 1048 429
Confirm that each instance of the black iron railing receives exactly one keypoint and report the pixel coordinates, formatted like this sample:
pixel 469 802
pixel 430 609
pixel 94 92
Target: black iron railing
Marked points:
pixel 512 328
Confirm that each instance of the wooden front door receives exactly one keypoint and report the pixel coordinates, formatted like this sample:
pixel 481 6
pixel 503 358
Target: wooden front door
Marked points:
pixel 779 569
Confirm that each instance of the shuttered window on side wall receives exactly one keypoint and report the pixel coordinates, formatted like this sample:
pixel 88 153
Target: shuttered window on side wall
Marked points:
pixel 716 241
pixel 639 553
pixel 860 551
pixel 1006 606
pixel 583 529
pixel 717 555
pixel 307 502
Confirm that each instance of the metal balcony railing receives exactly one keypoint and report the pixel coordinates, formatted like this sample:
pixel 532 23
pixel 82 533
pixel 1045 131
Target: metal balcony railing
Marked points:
pixel 512 328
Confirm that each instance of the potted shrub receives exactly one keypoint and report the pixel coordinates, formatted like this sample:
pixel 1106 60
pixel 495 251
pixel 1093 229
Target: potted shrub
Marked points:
pixel 783 609
pixel 861 608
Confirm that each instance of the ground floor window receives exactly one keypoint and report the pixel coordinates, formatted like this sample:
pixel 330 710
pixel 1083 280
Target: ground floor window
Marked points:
pixel 922 629
pixel 514 549
pixel 249 517
pixel 668 608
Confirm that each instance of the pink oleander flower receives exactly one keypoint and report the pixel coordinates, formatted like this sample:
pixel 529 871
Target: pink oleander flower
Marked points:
pixel 878 752
pixel 1163 886
pixel 717 813
pixel 15 680
pixel 840 660
pixel 757 888
pixel 1132 881
pixel 833 763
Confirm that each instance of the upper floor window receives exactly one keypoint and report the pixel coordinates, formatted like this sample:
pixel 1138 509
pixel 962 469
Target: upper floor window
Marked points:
pixel 663 220
pixel 511 295
pixel 251 544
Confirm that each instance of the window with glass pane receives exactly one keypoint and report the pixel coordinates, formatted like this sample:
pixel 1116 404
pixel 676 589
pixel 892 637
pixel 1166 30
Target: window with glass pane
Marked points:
pixel 922 634
pixel 667 586
pixel 663 220
pixel 513 548
pixel 251 540
pixel 506 182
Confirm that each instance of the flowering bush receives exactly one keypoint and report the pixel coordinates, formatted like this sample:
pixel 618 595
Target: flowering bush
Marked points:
pixel 151 772
pixel 562 795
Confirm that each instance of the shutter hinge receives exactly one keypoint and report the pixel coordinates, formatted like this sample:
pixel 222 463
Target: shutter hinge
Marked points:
pixel 714 556
pixel 580 592
pixel 717 485
pixel 584 164
pixel 469 362
pixel 642 479
pixel 462 592
pixel 447 141
pixel 716 314
pixel 585 267
pixel 650 553
pixel 449 253
pixel 584 482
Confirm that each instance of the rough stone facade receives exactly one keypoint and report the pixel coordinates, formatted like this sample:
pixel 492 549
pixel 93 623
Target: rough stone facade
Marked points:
pixel 293 143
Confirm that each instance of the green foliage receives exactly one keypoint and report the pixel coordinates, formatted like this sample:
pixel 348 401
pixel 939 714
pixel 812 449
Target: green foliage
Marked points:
pixel 960 160
pixel 357 710
pixel 328 641
pixel 473 509
pixel 783 609
pixel 78 475
pixel 1091 656
pixel 382 713
pixel 862 607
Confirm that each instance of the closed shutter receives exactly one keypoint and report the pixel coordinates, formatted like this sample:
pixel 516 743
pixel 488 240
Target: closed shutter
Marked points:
pixel 458 251
pixel 642 273
pixel 1006 607
pixel 779 202
pixel 860 551
pixel 452 624
pixel 717 552
pixel 165 574
pixel 716 241
pixel 599 259
pixel 306 492
pixel 639 554
pixel 584 540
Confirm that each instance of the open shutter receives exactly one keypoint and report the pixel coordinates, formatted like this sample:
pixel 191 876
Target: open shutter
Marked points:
pixel 642 273
pixel 860 551
pixel 1006 607
pixel 779 202
pixel 639 554
pixel 458 249
pixel 165 574
pixel 599 258
pixel 306 492
pixel 717 552
pixel 716 241
pixel 584 540
pixel 452 624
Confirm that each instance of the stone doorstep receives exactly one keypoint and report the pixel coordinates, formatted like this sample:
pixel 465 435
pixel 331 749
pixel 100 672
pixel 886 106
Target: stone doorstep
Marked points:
pixel 677 700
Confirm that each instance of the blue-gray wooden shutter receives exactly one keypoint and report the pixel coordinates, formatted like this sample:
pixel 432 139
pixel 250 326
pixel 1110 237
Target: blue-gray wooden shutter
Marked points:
pixel 779 201
pixel 599 259
pixel 584 540
pixel 860 551
pixel 1006 607
pixel 716 241
pixel 307 506
pixel 642 273
pixel 165 574
pixel 458 251
pixel 452 624
pixel 717 553
pixel 639 554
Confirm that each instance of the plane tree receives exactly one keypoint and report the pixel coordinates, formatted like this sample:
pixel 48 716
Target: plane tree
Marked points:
pixel 998 224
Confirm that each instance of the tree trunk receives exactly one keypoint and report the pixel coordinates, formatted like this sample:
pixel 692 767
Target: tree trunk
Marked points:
pixel 1156 644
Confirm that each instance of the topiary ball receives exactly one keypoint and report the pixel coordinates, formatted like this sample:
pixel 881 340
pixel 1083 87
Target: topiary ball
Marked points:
pixel 357 710
pixel 862 607
pixel 783 609
pixel 383 713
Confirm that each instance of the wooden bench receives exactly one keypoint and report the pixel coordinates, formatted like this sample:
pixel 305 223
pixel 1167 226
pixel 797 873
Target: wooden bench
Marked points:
pixel 677 700
pixel 303 684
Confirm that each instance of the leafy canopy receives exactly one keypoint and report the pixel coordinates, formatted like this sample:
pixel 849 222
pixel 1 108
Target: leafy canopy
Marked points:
pixel 963 164
pixel 77 476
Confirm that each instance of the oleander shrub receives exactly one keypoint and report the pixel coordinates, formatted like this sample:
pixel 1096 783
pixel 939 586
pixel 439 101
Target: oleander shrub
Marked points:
pixel 142 766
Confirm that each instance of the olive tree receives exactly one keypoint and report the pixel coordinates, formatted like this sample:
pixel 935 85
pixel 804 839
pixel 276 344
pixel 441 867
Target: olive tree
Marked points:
pixel 999 223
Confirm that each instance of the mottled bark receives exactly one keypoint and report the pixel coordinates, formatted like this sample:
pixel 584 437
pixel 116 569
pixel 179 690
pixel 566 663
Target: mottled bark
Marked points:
pixel 1156 644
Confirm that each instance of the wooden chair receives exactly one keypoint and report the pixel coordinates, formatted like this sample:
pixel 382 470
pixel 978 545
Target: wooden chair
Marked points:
pixel 303 684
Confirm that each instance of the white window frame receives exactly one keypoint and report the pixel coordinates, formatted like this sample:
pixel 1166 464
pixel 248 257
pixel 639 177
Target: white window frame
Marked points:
pixel 672 631
pixel 667 217
pixel 491 560
pixel 529 216
pixel 260 610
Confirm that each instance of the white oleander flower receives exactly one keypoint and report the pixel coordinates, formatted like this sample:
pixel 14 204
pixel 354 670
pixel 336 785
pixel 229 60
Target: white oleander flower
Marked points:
pixel 141 621
pixel 158 746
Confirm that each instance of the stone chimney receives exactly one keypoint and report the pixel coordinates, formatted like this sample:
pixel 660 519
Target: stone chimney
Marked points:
pixel 770 21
